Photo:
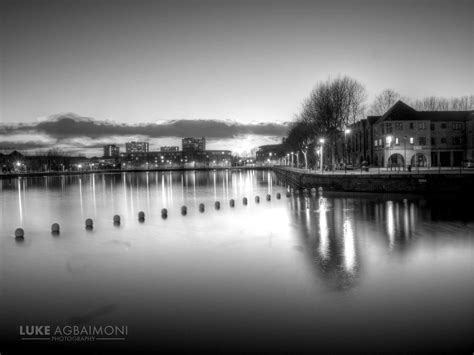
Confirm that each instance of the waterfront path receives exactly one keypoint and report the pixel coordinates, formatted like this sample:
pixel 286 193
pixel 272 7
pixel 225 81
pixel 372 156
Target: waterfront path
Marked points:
pixel 384 171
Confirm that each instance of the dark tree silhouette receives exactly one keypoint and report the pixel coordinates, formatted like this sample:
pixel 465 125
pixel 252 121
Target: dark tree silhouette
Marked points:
pixel 332 106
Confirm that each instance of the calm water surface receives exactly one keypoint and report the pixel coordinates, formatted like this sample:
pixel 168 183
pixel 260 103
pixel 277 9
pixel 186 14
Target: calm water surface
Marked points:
pixel 333 271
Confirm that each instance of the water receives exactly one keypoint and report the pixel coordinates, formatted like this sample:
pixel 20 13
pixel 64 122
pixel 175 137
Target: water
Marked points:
pixel 346 272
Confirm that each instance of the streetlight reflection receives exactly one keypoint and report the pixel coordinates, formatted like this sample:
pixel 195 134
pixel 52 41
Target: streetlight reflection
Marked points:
pixel 349 247
pixel 323 229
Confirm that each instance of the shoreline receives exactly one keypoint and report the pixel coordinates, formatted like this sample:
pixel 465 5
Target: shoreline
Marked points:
pixel 119 171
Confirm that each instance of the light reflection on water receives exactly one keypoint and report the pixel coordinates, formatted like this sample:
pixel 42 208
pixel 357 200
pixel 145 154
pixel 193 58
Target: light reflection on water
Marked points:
pixel 310 267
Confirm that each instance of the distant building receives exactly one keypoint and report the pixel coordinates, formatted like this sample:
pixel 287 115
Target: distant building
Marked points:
pixel 272 154
pixel 137 147
pixel 111 151
pixel 169 148
pixel 194 144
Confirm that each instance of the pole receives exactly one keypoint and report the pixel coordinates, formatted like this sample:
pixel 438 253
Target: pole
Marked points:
pixel 321 167
pixel 405 153
pixel 345 152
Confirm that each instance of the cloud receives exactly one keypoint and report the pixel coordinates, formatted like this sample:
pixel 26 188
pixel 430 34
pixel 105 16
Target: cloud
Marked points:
pixel 71 125
pixel 87 135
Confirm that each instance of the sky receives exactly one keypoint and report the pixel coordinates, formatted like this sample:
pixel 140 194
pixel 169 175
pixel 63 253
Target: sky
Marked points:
pixel 245 64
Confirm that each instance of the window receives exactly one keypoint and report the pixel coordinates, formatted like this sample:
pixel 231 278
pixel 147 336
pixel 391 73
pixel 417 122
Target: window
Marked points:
pixel 380 141
pixel 412 125
pixel 456 140
pixel 421 140
pixel 411 140
pixel 397 142
pixel 443 125
pixel 443 140
pixel 399 126
pixel 432 126
pixel 422 125
pixel 389 128
pixel 376 142
pixel 457 126
pixel 433 141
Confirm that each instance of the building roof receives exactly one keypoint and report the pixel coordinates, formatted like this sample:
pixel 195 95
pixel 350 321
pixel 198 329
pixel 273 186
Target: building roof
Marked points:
pixel 400 111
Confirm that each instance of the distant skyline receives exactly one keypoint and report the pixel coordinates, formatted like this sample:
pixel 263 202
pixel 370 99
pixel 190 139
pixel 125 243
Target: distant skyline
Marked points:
pixel 140 62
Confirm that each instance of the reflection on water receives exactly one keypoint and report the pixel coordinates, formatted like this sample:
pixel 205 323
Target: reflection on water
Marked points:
pixel 327 264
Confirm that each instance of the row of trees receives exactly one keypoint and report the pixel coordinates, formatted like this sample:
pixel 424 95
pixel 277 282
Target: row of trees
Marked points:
pixel 388 97
pixel 337 103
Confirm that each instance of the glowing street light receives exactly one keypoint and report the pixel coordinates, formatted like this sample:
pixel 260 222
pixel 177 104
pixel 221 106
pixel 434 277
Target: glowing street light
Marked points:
pixel 346 132
pixel 389 142
pixel 322 145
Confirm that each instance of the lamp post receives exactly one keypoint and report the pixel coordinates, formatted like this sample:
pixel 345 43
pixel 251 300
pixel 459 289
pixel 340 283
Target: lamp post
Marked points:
pixel 321 155
pixel 404 153
pixel 346 132
pixel 389 141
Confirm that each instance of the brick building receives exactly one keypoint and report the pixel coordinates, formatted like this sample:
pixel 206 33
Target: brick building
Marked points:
pixel 404 136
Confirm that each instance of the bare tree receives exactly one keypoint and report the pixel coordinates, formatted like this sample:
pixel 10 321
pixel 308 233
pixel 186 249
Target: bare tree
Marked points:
pixel 383 102
pixel 434 103
pixel 331 106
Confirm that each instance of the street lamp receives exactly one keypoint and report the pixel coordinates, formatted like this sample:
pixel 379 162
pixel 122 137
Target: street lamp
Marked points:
pixel 389 141
pixel 346 132
pixel 405 153
pixel 321 160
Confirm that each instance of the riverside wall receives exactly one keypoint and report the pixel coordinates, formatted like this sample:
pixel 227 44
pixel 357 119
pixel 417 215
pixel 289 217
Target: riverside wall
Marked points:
pixel 383 183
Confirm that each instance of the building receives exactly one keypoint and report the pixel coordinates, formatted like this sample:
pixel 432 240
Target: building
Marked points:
pixel 404 136
pixel 173 158
pixel 169 148
pixel 272 154
pixel 111 151
pixel 358 146
pixel 137 147
pixel 194 144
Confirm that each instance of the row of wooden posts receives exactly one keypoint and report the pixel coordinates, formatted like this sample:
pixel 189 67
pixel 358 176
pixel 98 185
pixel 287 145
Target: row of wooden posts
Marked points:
pixel 55 228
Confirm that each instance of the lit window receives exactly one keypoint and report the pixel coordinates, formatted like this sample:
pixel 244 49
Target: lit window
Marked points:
pixel 411 140
pixel 397 142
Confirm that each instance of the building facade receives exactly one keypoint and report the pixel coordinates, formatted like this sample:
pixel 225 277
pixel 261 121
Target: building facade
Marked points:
pixel 193 144
pixel 177 159
pixel 169 148
pixel 137 147
pixel 272 154
pixel 111 151
pixel 405 137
